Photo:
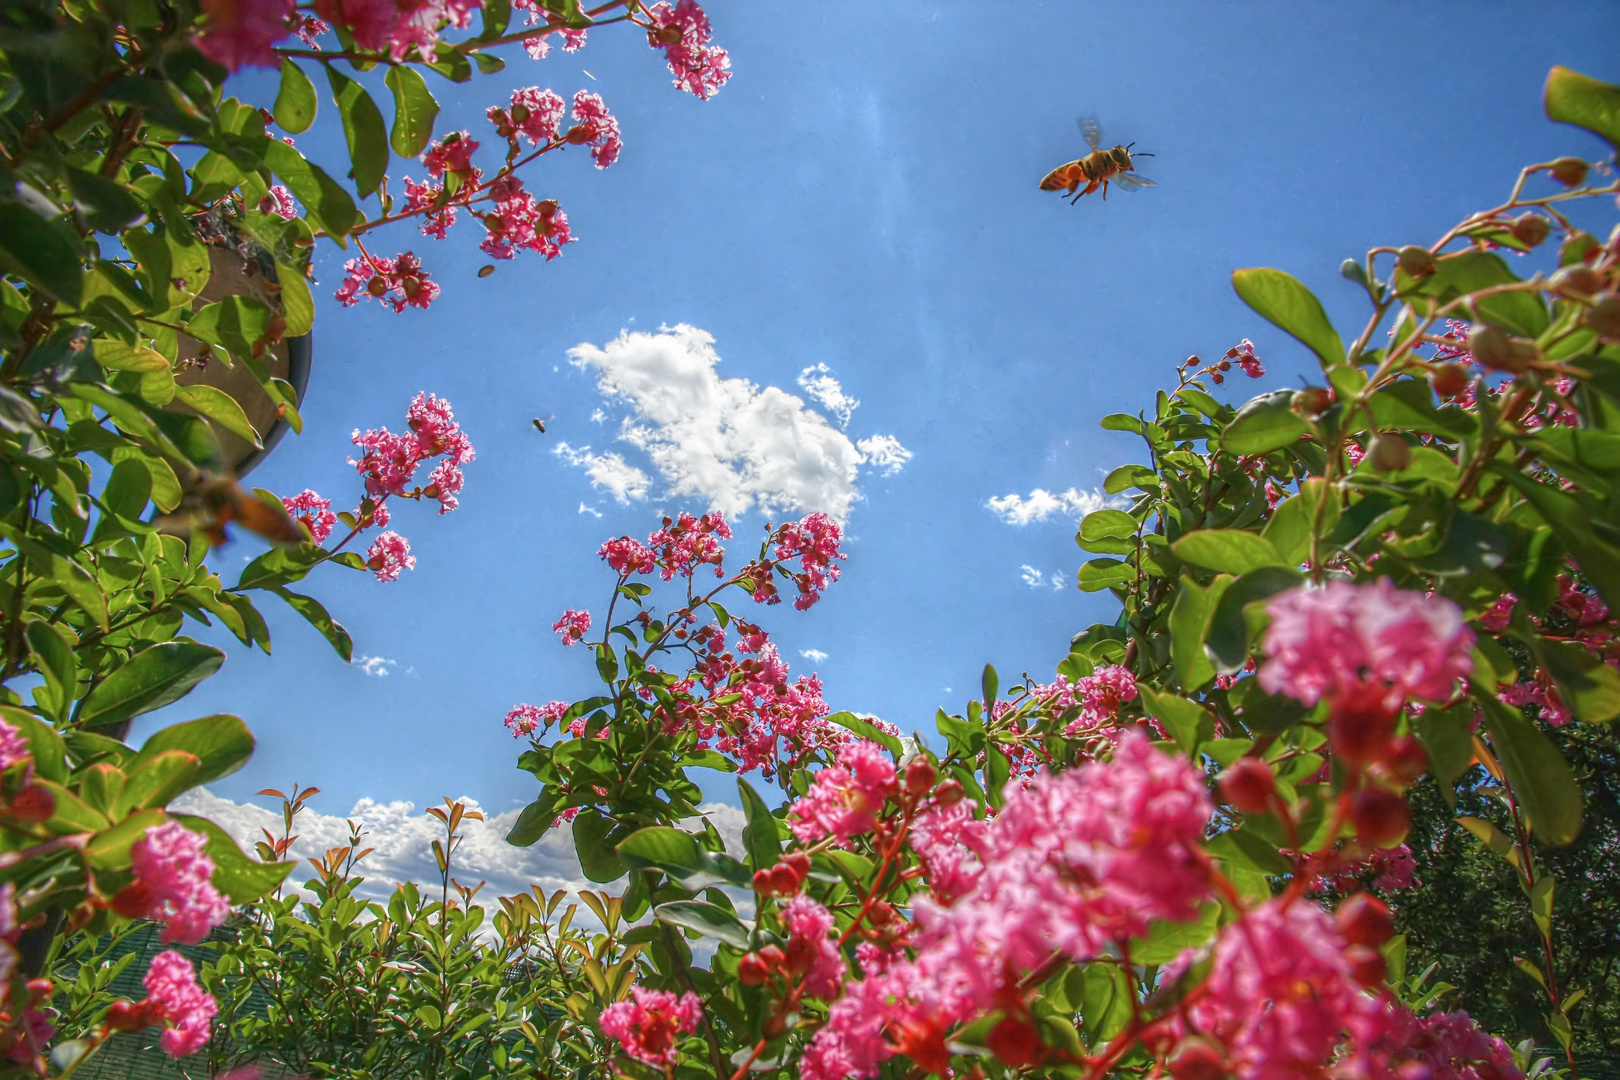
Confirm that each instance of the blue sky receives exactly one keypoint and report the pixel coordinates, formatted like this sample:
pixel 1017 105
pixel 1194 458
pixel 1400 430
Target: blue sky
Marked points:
pixel 862 195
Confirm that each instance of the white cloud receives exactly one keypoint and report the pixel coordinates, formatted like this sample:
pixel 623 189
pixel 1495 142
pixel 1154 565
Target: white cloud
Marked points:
pixel 598 416
pixel 621 479
pixel 375 666
pixel 593 511
pixel 1041 504
pixel 403 838
pixel 1038 579
pixel 815 656
pixel 819 383
pixel 728 441
pixel 884 452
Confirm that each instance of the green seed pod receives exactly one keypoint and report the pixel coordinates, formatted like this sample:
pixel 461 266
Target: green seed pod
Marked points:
pixel 1417 262
pixel 1389 453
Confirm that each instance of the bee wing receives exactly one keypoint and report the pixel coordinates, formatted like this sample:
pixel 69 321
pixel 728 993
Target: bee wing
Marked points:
pixel 1091 130
pixel 1131 181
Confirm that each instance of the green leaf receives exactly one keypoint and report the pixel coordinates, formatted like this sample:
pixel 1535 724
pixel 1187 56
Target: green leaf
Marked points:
pixel 55 658
pixel 1491 837
pixel 867 730
pixel 1282 300
pixel 1167 940
pixel 1292 522
pixel 80 587
pixel 761 838
pixel 1227 551
pixel 1590 687
pixel 1467 272
pixel 44 743
pixel 325 198
pixel 1264 424
pixel 1542 780
pixel 1131 476
pixel 533 822
pixel 297 306
pixel 109 850
pixel 1189 623
pixel 414 111
pixel 363 128
pixel 1186 721
pixel 593 844
pixel 1107 532
pixel 73 814
pixel 680 856
pixel 219 407
pixel 315 613
pixel 106 205
pixel 1408 405
pixel 296 100
pixel 1571 519
pixel 1447 741
pixel 280 565
pixel 222 744
pixel 236 322
pixel 1573 98
pixel 708 920
pixel 241 879
pixel 157 779
pixel 1227 638
pixel 38 252
pixel 607 664
pixel 1099 574
pixel 151 679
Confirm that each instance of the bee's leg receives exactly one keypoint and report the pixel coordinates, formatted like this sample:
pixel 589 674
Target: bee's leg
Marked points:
pixel 1105 190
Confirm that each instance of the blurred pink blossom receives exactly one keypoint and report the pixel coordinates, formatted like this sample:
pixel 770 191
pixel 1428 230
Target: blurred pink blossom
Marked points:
pixel 650 1023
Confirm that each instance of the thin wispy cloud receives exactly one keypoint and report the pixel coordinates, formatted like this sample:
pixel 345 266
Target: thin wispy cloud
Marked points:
pixel 591 510
pixel 729 442
pixel 1039 579
pixel 378 667
pixel 819 383
pixel 1040 505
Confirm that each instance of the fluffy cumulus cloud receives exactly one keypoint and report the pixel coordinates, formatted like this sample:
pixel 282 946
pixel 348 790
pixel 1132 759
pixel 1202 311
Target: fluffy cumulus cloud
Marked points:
pixel 815 656
pixel 378 667
pixel 1040 504
pixel 403 837
pixel 729 442
pixel 819 383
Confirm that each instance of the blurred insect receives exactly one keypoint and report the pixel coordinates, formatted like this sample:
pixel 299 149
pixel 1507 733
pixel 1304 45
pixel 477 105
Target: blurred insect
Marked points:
pixel 1097 168
pixel 210 502
pixel 540 422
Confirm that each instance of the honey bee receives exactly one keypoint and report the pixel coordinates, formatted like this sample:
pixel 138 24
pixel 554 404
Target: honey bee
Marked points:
pixel 210 502
pixel 1097 168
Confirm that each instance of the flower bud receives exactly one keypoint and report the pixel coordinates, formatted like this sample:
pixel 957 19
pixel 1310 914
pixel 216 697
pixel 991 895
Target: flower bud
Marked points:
pixel 1248 785
pixel 1579 279
pixel 1389 452
pixel 783 880
pixel 1366 965
pixel 1312 401
pixel 547 208
pixel 1365 920
pixel 1448 379
pixel 774 1027
pixel 1496 350
pixel 799 863
pixel 376 286
pixel 1016 1043
pixel 33 805
pixel 1197 1059
pixel 1569 171
pixel 881 913
pixel 920 776
pixel 520 113
pixel 1361 724
pixel 1406 760
pixel 1417 262
pixel 1530 229
pixel 752 970
pixel 1225 365
pixel 580 134
pixel 1603 317
pixel 126 1016
pixel 773 956
pixel 668 34
pixel 949 793
pixel 1380 816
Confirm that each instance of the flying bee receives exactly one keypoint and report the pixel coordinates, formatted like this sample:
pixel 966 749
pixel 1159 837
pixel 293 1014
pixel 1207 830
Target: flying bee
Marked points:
pixel 209 502
pixel 1097 168
pixel 540 422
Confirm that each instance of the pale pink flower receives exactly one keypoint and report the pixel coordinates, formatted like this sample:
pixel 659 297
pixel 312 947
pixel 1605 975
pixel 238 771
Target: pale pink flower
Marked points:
pixel 434 424
pixel 649 1024
pixel 526 719
pixel 851 1043
pixel 845 798
pixel 309 29
pixel 573 626
pixel 627 556
pixel 1397 869
pixel 814 542
pixel 1550 706
pixel 388 555
pixel 369 22
pixel 1100 696
pixel 1324 640
pixel 596 127
pixel 444 484
pixel 811 951
pixel 13 746
pixel 313 511
pixel 946 838
pixel 1585 608
pixel 682 31
pixel 240 33
pixel 279 202
pixel 420 199
pixel 173 878
pixel 185 1009
pixel 1454 342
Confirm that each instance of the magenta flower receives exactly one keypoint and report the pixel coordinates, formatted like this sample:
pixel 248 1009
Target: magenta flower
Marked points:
pixel 814 542
pixel 596 127
pixel 627 556
pixel 388 555
pixel 453 154
pixel 526 719
pixel 811 951
pixel 13 746
pixel 845 798
pixel 683 33
pixel 314 511
pixel 1325 641
pixel 688 542
pixel 173 884
pixel 279 202
pixel 573 626
pixel 648 1025
pixel 1453 1047
pixel 1243 355
pixel 518 221
pixel 240 33
pixel 185 1009
pixel 399 282
pixel 947 839
pixel 369 22
pixel 537 114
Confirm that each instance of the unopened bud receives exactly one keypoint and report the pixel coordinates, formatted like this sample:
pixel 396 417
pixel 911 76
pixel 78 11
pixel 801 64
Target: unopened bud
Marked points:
pixel 1417 262
pixel 580 134
pixel 1367 965
pixel 1603 317
pixel 1389 452
pixel 799 863
pixel 33 805
pixel 1406 760
pixel 881 913
pixel 1197 1059
pixel 1312 401
pixel 547 208
pixel 668 34
pixel 1579 279
pixel 1569 171
pixel 920 776
pixel 520 113
pixel 1248 785
pixel 774 1027
pixel 1016 1043
pixel 1448 379
pixel 1365 920
pixel 752 970
pixel 1530 229
pixel 376 286
pixel 949 793
pixel 1498 351
pixel 773 956
pixel 1380 816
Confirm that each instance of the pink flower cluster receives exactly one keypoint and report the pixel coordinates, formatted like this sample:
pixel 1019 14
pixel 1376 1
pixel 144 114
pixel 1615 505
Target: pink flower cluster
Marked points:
pixel 174 1000
pixel 687 542
pixel 1550 706
pixel 1340 637
pixel 627 556
pixel 538 46
pixel 814 542
pixel 535 114
pixel 1499 614
pixel 845 798
pixel 946 839
pixel 399 282
pixel 173 884
pixel 240 33
pixel 519 222
pixel 573 626
pixel 649 1024
pixel 402 27
pixel 811 951
pixel 595 127
pixel 682 31
pixel 13 747
pixel 314 512
pixel 389 554
pixel 1098 696
pixel 279 202
pixel 526 719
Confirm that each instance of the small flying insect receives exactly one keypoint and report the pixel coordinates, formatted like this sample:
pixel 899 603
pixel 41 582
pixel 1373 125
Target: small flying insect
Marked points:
pixel 540 422
pixel 1097 168
pixel 209 502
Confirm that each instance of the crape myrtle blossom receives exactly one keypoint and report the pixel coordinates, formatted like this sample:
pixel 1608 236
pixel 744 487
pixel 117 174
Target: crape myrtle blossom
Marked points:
pixel 535 114
pixel 399 282
pixel 279 202
pixel 686 543
pixel 1243 355
pixel 313 512
pixel 595 127
pixel 240 33
pixel 14 748
pixel 526 719
pixel 173 884
pixel 573 626
pixel 388 555
pixel 399 27
pixel 174 1000
pixel 649 1024
pixel 519 222
pixel 627 556
pixel 814 542
pixel 846 797
pixel 811 950
pixel 682 31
